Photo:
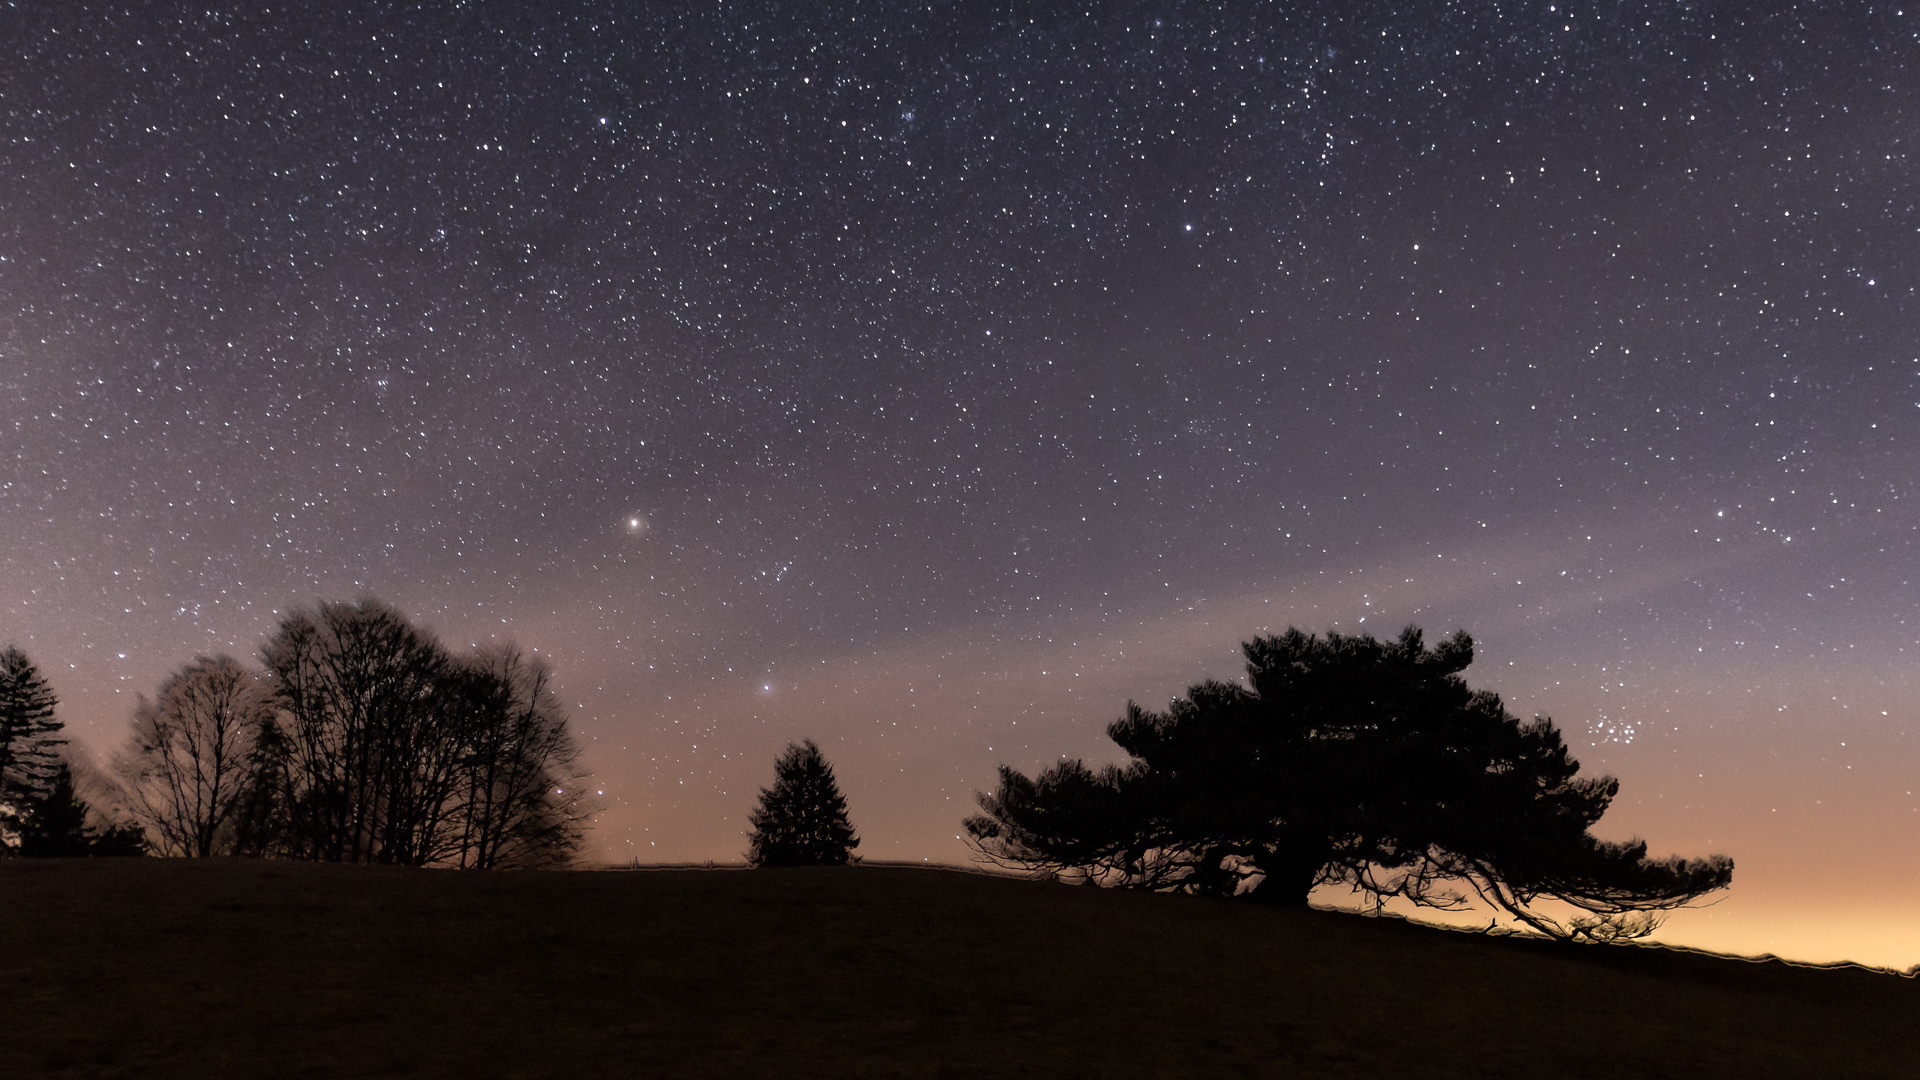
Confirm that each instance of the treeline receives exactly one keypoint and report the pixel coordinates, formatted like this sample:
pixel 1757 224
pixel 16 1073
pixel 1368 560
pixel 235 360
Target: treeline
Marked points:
pixel 361 738
pixel 1345 761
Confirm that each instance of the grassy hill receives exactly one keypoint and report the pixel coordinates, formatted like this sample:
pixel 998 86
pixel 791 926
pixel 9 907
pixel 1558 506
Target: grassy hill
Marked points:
pixel 151 968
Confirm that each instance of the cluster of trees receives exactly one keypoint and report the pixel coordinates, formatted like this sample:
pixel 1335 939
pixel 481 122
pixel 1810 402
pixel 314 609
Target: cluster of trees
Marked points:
pixel 1343 760
pixel 361 739
pixel 1346 761
pixel 40 813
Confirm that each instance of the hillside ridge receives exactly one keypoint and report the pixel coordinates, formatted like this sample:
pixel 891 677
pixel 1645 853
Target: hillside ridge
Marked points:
pixel 165 968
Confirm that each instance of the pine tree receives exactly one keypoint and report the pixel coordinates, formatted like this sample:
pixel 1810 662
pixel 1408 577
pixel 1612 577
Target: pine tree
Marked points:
pixel 1353 762
pixel 29 741
pixel 802 819
pixel 54 826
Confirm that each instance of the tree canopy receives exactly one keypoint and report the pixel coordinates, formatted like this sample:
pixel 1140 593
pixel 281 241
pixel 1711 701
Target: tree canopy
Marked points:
pixel 189 766
pixel 385 747
pixel 802 819
pixel 1345 760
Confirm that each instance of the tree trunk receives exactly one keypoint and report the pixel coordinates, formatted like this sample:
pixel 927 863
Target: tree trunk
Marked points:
pixel 1289 878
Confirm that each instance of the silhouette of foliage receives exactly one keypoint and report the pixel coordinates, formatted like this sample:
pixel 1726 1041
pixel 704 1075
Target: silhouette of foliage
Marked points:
pixel 357 686
pixel 124 840
pixel 522 800
pixel 56 826
pixel 30 741
pixel 386 748
pixel 802 819
pixel 188 769
pixel 1347 761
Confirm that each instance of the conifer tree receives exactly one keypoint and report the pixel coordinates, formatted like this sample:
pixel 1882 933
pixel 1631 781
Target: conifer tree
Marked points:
pixel 29 741
pixel 1352 762
pixel 55 826
pixel 802 819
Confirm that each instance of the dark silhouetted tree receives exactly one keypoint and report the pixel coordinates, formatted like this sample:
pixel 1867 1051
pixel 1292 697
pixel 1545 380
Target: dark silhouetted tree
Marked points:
pixel 1348 761
pixel 522 798
pixel 386 748
pixel 54 826
pixel 30 742
pixel 124 840
pixel 802 818
pixel 188 771
pixel 57 825
pixel 366 764
pixel 262 826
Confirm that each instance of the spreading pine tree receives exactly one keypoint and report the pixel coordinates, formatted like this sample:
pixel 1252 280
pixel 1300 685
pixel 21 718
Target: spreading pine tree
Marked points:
pixel 802 819
pixel 30 741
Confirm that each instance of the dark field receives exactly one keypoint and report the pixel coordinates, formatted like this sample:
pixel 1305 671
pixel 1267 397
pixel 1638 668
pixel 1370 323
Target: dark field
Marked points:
pixel 144 968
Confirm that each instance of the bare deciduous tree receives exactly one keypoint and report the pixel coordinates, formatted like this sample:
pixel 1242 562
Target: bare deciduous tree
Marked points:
pixel 358 689
pixel 189 766
pixel 524 799
pixel 388 749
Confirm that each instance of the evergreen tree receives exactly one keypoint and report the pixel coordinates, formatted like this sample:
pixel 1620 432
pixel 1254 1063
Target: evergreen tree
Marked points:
pixel 55 826
pixel 802 819
pixel 127 840
pixel 29 741
pixel 1353 762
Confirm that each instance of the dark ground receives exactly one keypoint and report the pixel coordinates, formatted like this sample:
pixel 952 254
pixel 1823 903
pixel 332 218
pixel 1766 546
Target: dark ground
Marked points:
pixel 152 968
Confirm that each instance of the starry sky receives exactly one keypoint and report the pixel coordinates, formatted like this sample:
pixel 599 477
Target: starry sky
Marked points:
pixel 932 380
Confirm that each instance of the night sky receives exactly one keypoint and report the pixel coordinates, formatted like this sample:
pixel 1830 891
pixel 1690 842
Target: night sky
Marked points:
pixel 931 381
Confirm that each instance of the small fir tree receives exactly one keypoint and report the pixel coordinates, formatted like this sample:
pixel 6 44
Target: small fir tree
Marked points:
pixel 802 819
